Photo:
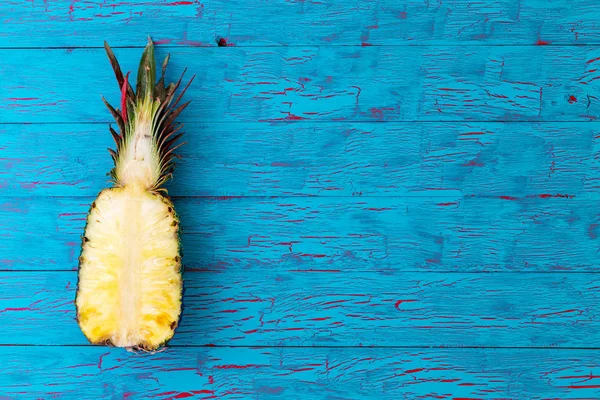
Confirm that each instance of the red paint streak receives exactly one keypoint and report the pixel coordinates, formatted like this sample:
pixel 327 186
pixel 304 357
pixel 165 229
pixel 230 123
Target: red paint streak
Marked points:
pixel 473 163
pixel 229 311
pixel 183 395
pixel 163 41
pixel 447 204
pixel 541 42
pixel 585 387
pixel 556 313
pixel 250 331
pixel 319 319
pixel 22 98
pixel 379 209
pixel 410 371
pixel 508 198
pixel 293 329
pixel 402 15
pixel 572 99
pixel 558 195
pixel 397 305
pixel 302 369
pixel 317 270
pixel 165 393
pixel 233 366
pixel 69 214
pixel 472 133
pixel 30 185
pixel 292 117
pixel 590 376
pixel 15 309
pixel 203 391
pixel 592 231
pixel 180 3
pixel 100 360
pixel 334 302
pixel 211 380
pixel 376 113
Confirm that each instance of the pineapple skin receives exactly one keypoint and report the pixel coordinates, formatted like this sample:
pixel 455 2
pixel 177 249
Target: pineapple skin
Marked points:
pixel 130 281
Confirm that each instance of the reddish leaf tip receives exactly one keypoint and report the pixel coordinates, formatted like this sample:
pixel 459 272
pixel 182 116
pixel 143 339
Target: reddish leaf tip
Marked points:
pixel 124 98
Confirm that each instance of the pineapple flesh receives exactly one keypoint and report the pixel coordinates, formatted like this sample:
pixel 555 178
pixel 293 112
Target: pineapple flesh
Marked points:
pixel 130 284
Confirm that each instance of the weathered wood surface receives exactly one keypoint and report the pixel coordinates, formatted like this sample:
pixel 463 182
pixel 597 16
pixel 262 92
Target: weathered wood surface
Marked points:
pixel 400 198
pixel 299 373
pixel 281 308
pixel 452 233
pixel 280 22
pixel 428 83
pixel 315 159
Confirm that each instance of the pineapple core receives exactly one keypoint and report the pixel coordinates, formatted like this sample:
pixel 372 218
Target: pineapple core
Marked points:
pixel 129 278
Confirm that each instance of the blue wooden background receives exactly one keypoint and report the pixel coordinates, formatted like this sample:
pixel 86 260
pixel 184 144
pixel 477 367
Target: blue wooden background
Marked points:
pixel 380 199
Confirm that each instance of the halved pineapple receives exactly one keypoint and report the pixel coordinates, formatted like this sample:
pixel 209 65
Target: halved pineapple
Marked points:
pixel 130 285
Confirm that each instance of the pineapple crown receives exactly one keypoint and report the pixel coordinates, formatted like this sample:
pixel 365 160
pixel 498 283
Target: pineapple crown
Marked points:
pixel 148 134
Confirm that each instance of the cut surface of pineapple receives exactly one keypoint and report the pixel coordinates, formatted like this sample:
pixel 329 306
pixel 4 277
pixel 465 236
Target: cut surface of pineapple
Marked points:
pixel 129 278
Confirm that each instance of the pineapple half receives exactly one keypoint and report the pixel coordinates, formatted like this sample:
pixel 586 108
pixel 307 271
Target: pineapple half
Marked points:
pixel 130 284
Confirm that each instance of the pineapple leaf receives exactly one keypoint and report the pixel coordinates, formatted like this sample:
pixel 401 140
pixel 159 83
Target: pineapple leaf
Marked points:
pixel 113 154
pixel 146 72
pixel 115 115
pixel 117 138
pixel 165 63
pixel 175 113
pixel 160 90
pixel 117 69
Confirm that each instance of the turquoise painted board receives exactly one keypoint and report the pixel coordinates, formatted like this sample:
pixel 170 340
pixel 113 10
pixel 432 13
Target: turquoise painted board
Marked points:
pixel 378 199
pixel 321 83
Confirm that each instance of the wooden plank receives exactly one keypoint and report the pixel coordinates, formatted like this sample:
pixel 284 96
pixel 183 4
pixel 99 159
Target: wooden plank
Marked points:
pixel 351 22
pixel 299 373
pixel 332 159
pixel 279 308
pixel 445 83
pixel 451 233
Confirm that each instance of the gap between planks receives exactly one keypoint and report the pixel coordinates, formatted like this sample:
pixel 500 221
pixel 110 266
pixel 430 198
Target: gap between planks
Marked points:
pixel 210 46
pixel 365 348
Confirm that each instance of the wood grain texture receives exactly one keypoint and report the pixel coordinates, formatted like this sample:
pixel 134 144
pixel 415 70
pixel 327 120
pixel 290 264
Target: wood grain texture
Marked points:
pixel 266 23
pixel 315 159
pixel 448 83
pixel 299 373
pixel 451 233
pixel 391 199
pixel 279 308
